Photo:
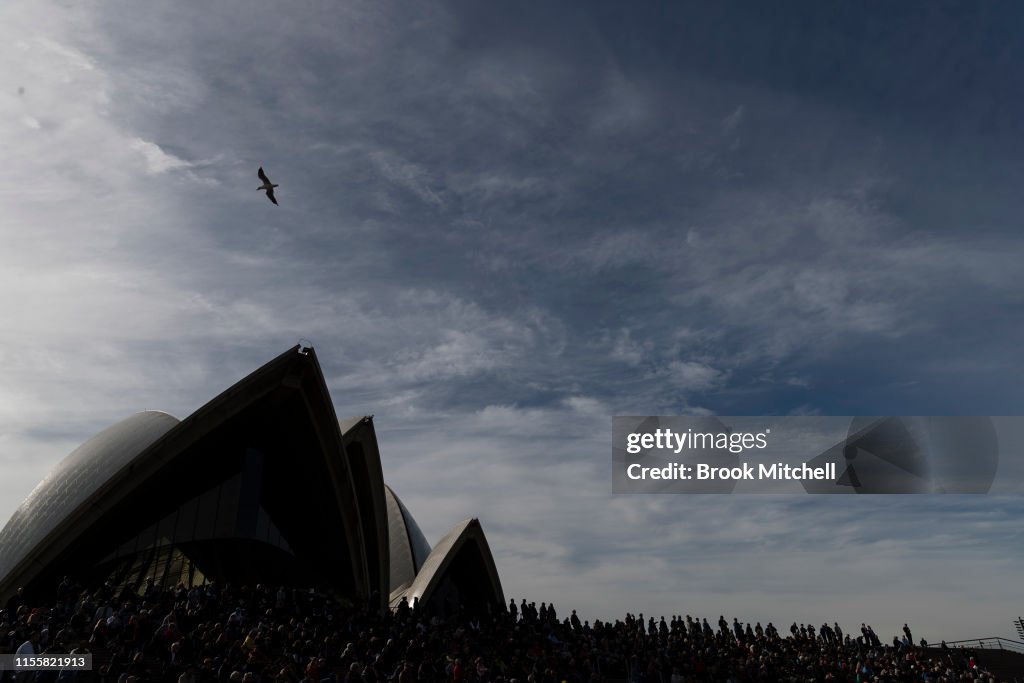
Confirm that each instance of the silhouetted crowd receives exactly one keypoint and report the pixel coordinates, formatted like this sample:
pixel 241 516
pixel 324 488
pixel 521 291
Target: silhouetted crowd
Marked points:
pixel 213 634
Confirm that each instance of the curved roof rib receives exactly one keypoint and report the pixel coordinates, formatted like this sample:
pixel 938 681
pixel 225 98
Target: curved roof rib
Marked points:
pixel 409 547
pixel 465 543
pixel 363 456
pixel 83 475
pixel 124 459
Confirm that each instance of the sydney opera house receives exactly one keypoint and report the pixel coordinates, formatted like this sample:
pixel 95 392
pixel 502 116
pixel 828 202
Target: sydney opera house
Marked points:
pixel 262 484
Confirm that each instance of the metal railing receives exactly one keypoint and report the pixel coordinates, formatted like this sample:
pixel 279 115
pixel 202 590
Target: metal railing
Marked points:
pixel 985 644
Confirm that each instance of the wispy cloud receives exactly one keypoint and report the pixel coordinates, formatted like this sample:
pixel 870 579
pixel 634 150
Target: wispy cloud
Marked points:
pixel 501 227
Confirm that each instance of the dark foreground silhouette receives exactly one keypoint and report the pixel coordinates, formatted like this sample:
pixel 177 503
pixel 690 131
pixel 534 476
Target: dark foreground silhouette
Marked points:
pixel 213 634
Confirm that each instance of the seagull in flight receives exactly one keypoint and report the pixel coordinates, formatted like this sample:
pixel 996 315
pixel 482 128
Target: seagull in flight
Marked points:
pixel 267 185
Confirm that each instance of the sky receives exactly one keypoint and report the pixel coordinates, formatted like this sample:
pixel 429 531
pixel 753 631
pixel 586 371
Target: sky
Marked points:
pixel 501 224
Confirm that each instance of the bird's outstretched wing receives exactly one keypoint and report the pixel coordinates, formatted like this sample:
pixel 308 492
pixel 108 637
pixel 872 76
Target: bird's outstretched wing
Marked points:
pixel 262 175
pixel 270 195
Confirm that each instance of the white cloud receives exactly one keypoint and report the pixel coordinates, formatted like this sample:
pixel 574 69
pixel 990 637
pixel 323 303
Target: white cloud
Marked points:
pixel 626 349
pixel 459 354
pixel 693 376
pixel 408 175
pixel 157 160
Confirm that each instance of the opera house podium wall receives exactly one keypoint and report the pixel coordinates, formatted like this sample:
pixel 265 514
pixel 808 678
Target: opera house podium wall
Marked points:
pixel 262 484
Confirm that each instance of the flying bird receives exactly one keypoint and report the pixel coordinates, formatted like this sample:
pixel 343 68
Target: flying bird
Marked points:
pixel 267 185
